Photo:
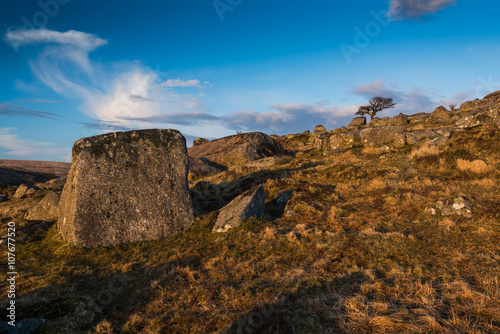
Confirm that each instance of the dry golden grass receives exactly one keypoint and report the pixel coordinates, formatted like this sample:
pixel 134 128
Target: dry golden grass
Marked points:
pixel 476 166
pixel 424 150
pixel 359 256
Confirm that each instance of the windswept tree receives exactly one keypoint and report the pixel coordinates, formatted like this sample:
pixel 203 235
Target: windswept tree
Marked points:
pixel 375 105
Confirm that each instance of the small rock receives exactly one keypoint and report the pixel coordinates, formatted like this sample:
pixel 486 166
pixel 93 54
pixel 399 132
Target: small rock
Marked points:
pixel 284 197
pixel 412 171
pixel 46 209
pixel 261 163
pixel 249 204
pixel 24 190
pixel 199 141
pixel 320 129
pixel 460 206
pixel 430 210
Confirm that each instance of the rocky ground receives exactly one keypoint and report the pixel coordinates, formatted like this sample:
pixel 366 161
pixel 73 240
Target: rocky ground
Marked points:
pixel 390 227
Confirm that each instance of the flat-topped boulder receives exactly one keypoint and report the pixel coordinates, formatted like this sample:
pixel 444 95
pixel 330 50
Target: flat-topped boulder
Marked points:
pixel 384 135
pixel 238 149
pixel 126 187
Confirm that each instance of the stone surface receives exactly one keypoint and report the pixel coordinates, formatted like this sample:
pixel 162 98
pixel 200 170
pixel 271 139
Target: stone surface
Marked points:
pixel 199 167
pixel 460 206
pixel 386 135
pixel 344 140
pixel 320 129
pixel 46 209
pixel 357 122
pixel 413 137
pixel 262 163
pixel 199 141
pixel 238 149
pixel 284 197
pixel 441 112
pixel 399 120
pixel 126 187
pixel 249 204
pixel 25 190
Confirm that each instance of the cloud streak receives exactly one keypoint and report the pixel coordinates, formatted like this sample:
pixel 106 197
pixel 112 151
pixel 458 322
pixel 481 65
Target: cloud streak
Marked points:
pixel 14 111
pixel 415 9
pixel 120 95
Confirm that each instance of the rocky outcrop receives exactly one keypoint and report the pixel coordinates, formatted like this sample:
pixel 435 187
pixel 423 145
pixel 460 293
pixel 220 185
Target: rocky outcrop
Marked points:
pixel 249 204
pixel 199 167
pixel 357 122
pixel 47 209
pixel 238 149
pixel 386 135
pixel 344 140
pixel 320 129
pixel 199 141
pixel 125 187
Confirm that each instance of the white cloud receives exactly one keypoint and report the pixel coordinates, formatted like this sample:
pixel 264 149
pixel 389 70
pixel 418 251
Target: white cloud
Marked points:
pixel 194 83
pixel 79 39
pixel 414 9
pixel 119 95
pixel 19 147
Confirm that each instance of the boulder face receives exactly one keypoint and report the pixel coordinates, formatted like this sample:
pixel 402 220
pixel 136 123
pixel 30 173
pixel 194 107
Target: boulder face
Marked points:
pixel 25 190
pixel 46 209
pixel 199 141
pixel 357 122
pixel 238 149
pixel 385 135
pixel 249 204
pixel 320 129
pixel 126 187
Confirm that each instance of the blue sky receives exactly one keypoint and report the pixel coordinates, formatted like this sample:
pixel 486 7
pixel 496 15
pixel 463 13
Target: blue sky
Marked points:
pixel 72 68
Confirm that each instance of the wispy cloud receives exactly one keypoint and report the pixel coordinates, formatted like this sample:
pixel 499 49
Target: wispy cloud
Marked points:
pixel 84 41
pixel 120 95
pixel 13 110
pixel 415 9
pixel 195 83
pixel 40 101
pixel 19 147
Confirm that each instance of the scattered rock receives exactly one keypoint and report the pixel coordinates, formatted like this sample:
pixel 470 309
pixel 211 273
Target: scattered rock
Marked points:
pixel 460 206
pixel 238 149
pixel 320 129
pixel 442 113
pixel 357 122
pixel 126 187
pixel 200 167
pixel 53 184
pixel 46 209
pixel 199 141
pixel 399 120
pixel 261 163
pixel 25 190
pixel 414 137
pixel 284 197
pixel 249 204
pixel 430 211
pixel 373 137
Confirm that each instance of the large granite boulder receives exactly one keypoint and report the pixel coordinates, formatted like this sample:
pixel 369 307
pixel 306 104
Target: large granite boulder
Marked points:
pixel 385 135
pixel 238 149
pixel 199 141
pixel 126 187
pixel 442 113
pixel 399 120
pixel 47 209
pixel 320 129
pixel 249 204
